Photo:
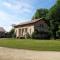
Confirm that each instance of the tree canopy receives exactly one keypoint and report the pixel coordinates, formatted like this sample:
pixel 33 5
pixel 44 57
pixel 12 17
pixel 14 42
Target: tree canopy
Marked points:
pixel 40 13
pixel 52 15
pixel 54 12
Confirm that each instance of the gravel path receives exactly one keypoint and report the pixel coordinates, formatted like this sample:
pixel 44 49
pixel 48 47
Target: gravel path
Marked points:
pixel 19 54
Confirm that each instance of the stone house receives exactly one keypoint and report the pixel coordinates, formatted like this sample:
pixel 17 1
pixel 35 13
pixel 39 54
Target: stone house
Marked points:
pixel 29 27
pixel 2 32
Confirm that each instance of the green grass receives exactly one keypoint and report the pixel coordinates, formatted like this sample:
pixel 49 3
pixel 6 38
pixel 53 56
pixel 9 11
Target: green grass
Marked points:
pixel 30 44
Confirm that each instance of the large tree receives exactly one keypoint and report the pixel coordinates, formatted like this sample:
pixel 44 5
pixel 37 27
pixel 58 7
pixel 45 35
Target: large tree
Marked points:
pixel 11 33
pixel 54 12
pixel 54 16
pixel 40 13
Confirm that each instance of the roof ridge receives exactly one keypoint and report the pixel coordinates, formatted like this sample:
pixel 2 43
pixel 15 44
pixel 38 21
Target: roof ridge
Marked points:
pixel 28 22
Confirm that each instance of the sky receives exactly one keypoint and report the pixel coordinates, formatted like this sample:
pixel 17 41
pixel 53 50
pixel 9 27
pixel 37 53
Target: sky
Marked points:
pixel 17 11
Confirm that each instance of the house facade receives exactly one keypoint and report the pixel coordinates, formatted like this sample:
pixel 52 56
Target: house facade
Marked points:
pixel 23 29
pixel 2 32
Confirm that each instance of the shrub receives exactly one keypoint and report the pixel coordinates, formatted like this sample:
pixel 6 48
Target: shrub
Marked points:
pixel 41 35
pixel 27 35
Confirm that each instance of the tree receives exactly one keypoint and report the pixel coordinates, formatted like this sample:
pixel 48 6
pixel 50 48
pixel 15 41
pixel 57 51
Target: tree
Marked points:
pixel 40 13
pixel 54 17
pixel 11 33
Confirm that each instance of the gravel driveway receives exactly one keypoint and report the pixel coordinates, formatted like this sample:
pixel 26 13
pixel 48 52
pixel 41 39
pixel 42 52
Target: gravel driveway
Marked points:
pixel 19 54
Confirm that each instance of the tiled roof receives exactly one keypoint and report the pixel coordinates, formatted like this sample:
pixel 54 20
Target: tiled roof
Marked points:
pixel 2 29
pixel 29 22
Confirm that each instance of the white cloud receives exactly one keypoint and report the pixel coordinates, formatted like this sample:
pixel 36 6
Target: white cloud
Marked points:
pixel 6 20
pixel 3 16
pixel 7 4
pixel 10 5
pixel 18 6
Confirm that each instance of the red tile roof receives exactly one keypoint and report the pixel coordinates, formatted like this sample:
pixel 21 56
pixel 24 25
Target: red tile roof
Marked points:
pixel 29 22
pixel 2 29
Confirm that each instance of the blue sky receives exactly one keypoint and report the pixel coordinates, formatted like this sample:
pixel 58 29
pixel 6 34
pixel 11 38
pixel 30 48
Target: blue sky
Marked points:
pixel 17 11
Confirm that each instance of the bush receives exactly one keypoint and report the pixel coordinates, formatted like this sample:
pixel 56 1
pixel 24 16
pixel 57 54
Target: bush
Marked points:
pixel 58 35
pixel 27 35
pixel 41 35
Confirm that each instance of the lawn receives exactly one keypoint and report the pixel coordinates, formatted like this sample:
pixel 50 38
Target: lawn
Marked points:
pixel 30 44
